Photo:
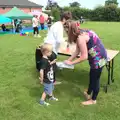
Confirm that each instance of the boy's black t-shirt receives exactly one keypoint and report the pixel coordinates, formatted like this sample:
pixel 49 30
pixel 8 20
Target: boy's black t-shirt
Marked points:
pixel 48 71
pixel 51 58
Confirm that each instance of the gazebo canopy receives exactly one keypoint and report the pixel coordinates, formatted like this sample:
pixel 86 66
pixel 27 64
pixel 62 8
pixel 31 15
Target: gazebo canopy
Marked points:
pixel 4 19
pixel 16 13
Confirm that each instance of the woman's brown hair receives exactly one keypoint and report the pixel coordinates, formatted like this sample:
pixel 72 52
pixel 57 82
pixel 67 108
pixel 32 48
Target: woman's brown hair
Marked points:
pixel 72 30
pixel 66 15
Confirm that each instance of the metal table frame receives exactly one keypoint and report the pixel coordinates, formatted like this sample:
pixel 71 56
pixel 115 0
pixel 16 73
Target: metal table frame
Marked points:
pixel 110 69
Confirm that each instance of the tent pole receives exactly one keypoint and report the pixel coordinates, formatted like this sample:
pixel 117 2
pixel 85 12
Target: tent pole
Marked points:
pixel 12 25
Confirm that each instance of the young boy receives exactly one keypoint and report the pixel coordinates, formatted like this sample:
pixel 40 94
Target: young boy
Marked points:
pixel 47 74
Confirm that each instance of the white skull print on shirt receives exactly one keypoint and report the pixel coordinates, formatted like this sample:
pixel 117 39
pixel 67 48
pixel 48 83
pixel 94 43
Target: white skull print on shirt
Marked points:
pixel 50 75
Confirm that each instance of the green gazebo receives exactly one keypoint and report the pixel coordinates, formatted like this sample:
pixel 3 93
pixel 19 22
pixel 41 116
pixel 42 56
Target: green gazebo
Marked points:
pixel 16 13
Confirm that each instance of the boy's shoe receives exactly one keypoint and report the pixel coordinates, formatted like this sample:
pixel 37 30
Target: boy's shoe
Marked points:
pixel 44 103
pixel 53 98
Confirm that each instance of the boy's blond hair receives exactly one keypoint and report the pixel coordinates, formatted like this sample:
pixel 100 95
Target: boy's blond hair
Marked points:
pixel 46 47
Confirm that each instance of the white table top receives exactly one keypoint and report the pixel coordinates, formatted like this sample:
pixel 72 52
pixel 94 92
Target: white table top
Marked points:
pixel 111 54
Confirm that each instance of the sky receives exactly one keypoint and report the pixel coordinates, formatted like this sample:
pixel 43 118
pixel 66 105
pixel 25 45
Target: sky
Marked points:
pixel 84 3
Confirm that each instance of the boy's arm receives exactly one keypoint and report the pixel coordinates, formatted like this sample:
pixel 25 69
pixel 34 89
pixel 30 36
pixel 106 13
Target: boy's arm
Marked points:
pixel 41 75
pixel 53 62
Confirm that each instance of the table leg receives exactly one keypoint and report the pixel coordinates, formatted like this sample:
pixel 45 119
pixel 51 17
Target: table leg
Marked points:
pixel 112 71
pixel 109 73
pixel 110 68
pixel 109 76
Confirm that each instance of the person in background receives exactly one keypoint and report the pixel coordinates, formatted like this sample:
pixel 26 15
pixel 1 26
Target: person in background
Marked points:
pixel 4 28
pixel 47 74
pixel 49 21
pixel 35 22
pixel 81 19
pixel 15 23
pixel 42 22
pixel 55 35
pixel 18 25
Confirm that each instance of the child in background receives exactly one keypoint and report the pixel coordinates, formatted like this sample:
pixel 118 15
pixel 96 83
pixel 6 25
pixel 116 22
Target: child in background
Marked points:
pixel 47 74
pixel 49 21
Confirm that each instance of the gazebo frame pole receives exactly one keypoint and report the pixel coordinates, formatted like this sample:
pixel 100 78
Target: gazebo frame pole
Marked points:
pixel 12 24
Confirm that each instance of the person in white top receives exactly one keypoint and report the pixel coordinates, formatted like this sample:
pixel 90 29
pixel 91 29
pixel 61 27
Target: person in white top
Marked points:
pixel 35 22
pixel 55 36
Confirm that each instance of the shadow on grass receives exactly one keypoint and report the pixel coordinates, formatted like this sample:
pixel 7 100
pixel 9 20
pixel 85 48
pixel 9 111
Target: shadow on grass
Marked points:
pixel 75 76
pixel 36 93
pixel 72 80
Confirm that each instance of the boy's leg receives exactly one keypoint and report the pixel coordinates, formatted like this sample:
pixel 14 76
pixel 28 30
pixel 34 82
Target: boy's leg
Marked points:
pixel 51 96
pixel 42 101
pixel 50 90
pixel 43 96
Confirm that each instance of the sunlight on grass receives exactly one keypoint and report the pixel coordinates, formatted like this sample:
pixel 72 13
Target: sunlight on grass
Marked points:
pixel 20 90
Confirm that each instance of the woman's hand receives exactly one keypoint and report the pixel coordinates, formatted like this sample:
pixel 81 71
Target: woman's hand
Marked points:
pixel 68 62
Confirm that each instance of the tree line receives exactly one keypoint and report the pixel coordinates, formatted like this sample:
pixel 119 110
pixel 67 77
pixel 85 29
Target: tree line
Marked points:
pixel 109 12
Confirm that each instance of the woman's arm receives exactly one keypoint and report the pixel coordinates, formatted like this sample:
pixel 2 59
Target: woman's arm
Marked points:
pixel 83 50
pixel 75 54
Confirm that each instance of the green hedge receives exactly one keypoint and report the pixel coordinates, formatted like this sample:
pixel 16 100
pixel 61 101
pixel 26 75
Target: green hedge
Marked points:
pixel 56 14
pixel 100 13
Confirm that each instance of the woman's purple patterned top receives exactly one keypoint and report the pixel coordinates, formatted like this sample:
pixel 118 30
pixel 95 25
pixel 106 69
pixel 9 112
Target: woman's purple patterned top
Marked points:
pixel 97 54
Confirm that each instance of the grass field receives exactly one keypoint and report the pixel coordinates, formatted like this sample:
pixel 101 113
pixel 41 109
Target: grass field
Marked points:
pixel 20 90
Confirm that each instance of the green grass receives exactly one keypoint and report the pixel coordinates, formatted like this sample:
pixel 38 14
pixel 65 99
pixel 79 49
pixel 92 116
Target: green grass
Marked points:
pixel 20 90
